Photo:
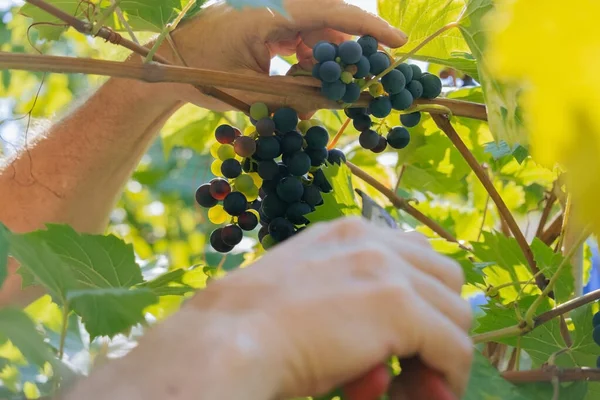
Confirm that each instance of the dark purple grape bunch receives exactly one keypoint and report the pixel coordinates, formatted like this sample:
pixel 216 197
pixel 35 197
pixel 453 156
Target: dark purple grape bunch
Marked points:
pixel 596 333
pixel 273 176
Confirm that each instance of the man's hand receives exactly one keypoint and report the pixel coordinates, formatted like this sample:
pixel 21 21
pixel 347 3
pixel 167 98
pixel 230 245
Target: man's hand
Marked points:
pixel 316 312
pixel 224 39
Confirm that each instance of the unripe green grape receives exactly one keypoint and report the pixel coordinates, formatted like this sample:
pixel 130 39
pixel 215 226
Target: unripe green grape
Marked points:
pixel 346 77
pixel 376 89
pixel 259 111
pixel 251 194
pixel 304 125
pixel 215 167
pixel 213 149
pixel 315 122
pixel 225 152
pixel 268 242
pixel 243 183
pixel 217 215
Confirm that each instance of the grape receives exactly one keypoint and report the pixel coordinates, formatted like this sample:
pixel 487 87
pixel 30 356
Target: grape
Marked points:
pixel 299 163
pixel 598 362
pixel 285 119
pixel 416 72
pixel 267 148
pixel 315 122
pixel 312 195
pixel 281 229
pixel 225 134
pixel 334 91
pixel 304 125
pixel 595 334
pixel 324 51
pixel 216 241
pixel 316 71
pixel 268 242
pixel 296 212
pixel 350 52
pixel 244 146
pixel 352 93
pixel 432 86
pixel 217 215
pixel 259 111
pixel 219 188
pixel 264 219
pixel 231 168
pixel 346 77
pixel 406 71
pixel 320 180
pixel 248 165
pixel 215 167
pixel 336 156
pixel 381 145
pixel 317 137
pixel 317 155
pixel 398 137
pixel 244 183
pixel 251 194
pixel 273 207
pixel 394 81
pixel 376 89
pixel 268 169
pixel 283 170
pixel 415 88
pixel 225 152
pixel 265 127
pixel 368 139
pixel 232 234
pixel 596 319
pixel 368 44
pixel 352 69
pixel 269 186
pixel 361 122
pixel 363 67
pixel 330 71
pixel 255 205
pixel 247 221
pixel 379 63
pixel 402 100
pixel 235 203
pixel 410 120
pixel 290 189
pixel 204 198
pixel 380 107
pixel 292 142
pixel 262 232
pixel 213 149
pixel 355 112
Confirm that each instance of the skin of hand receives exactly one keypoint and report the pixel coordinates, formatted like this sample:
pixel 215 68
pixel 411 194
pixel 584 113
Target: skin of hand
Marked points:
pixel 74 172
pixel 314 313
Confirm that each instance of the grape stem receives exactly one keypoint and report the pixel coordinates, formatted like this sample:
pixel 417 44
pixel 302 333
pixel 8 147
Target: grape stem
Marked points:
pixel 402 204
pixel 444 124
pixel 339 134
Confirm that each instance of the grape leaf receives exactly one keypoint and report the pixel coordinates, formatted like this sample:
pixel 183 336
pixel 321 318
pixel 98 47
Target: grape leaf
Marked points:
pixel 48 26
pixel 17 327
pixel 545 391
pixel 162 285
pixel 150 15
pixel 275 5
pixel 504 112
pixel 548 261
pixel 501 149
pixel 341 201
pixel 194 135
pixel 96 261
pixel 3 254
pixel 421 18
pixel 485 382
pixel 108 311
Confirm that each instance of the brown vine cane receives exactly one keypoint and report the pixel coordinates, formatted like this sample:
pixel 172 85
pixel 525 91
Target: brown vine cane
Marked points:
pixel 416 381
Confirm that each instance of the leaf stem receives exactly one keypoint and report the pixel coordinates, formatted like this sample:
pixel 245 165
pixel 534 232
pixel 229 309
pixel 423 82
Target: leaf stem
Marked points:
pixel 104 16
pixel 498 334
pixel 339 134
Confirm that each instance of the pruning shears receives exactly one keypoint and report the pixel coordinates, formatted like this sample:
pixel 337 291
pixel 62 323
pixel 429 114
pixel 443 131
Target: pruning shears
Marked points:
pixel 423 382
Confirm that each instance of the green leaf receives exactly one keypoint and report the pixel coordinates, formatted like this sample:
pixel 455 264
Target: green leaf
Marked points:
pixel 3 253
pixel 486 383
pixel 48 26
pixel 96 261
pixel 548 261
pixel 194 135
pixel 501 149
pixel 108 311
pixel 150 15
pixel 162 285
pixel 421 18
pixel 545 390
pixel 341 201
pixel 17 327
pixel 504 113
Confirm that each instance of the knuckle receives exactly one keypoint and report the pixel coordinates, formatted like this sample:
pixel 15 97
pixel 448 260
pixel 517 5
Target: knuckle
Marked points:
pixel 345 228
pixel 370 260
pixel 454 273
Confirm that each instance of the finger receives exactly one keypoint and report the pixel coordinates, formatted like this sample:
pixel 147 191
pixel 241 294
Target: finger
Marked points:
pixel 313 36
pixel 370 386
pixel 346 18
pixel 304 56
pixel 443 299
pixel 418 237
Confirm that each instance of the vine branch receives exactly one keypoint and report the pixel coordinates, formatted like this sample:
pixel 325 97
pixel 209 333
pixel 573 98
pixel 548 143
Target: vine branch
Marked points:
pixel 549 374
pixel 402 204
pixel 567 307
pixel 444 124
pixel 553 231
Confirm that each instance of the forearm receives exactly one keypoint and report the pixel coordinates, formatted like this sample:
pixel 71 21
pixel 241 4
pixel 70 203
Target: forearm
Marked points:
pixel 74 172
